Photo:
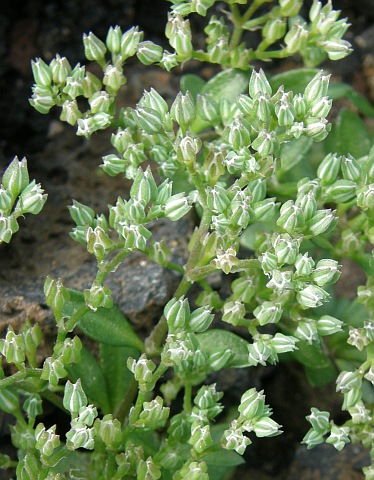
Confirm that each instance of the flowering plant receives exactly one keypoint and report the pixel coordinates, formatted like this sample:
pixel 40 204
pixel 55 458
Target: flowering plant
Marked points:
pixel 274 216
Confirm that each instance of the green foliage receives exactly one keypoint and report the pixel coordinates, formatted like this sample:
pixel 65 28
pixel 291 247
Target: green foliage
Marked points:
pixel 255 158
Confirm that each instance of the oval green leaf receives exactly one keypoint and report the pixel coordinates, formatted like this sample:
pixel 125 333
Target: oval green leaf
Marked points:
pixel 227 84
pixel 213 341
pixel 105 325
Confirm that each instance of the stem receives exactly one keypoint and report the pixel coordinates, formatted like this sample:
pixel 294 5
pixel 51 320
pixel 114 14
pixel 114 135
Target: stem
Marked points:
pixel 125 405
pixel 19 376
pixel 187 399
pixel 111 266
pixel 137 407
pixel 72 322
pixel 238 20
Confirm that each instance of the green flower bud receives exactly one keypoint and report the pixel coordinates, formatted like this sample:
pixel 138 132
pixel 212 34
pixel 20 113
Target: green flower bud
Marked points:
pixel 283 343
pixel 321 222
pixel 317 128
pixel 316 88
pixel 320 107
pixel 338 437
pixel 94 48
pixel 307 331
pixel 168 60
pixel 286 249
pixel 31 199
pixel 60 68
pixel 87 415
pixel 178 31
pixel 268 312
pixel 100 102
pixel 233 439
pixel 144 187
pixel 217 200
pixel 200 320
pixel 307 204
pixel 194 471
pixel 274 29
pixel 291 217
pixel 130 41
pixel 238 133
pixel 153 100
pixel 32 336
pixel 303 265
pixel 285 114
pixel 109 430
pixel 121 140
pixel 33 406
pixel 329 168
pixel 233 312
pixel 91 84
pixel 43 99
pixel 259 84
pixel 135 236
pixel 69 352
pixel 74 82
pixel 351 168
pixel 252 404
pixel 42 72
pixel 70 112
pixel 150 120
pixel 319 420
pixel 183 110
pixel 266 143
pixel 290 8
pixel 176 207
pixel 87 126
pixel 219 360
pixel 177 313
pixel 365 197
pixel 113 165
pixel 8 226
pixel 74 397
pixel 13 348
pixel 338 29
pixel 328 325
pixel 266 427
pixel 149 53
pixel 207 108
pixel 312 296
pixel 113 78
pixel 143 372
pixel 148 470
pixel 56 295
pixel 53 370
pixel 264 210
pixel 297 37
pixel 269 262
pixel 200 437
pixel 6 200
pixel 16 176
pixel 219 50
pixel 28 467
pixel 81 214
pixel 188 148
pixel 336 48
pixel 113 39
pixel 299 105
pixel 341 191
pixel 312 438
pixel 46 440
pixel 154 414
pixel 80 437
pixel 9 400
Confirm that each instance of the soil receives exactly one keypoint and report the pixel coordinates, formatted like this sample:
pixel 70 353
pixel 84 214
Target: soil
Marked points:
pixel 67 168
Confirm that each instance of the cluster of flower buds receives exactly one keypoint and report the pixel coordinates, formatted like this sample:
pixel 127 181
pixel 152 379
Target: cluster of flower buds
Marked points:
pixel 153 415
pixel 18 196
pixel 254 416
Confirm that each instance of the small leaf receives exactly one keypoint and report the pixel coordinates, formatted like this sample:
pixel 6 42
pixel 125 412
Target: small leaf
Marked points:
pixel 92 378
pixel 214 341
pixel 118 377
pixel 317 377
pixel 224 458
pixel 343 90
pixel 348 135
pixel 292 153
pixel 192 83
pixel 228 84
pixel 105 325
pixel 311 355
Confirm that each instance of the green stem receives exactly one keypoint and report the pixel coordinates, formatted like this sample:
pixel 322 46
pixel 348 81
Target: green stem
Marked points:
pixel 72 322
pixel 19 376
pixel 238 20
pixel 187 399
pixel 137 408
pixel 111 266
pixel 124 407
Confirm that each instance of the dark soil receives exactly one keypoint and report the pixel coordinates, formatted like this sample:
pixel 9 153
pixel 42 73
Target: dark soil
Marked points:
pixel 67 168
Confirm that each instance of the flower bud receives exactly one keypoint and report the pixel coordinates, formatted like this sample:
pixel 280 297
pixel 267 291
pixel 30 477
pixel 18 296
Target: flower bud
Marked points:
pixel 319 420
pixel 351 168
pixel 303 265
pixel 329 168
pixel 297 37
pixel 316 88
pixel 233 439
pixel 56 295
pixel 320 107
pixel 307 331
pixel 53 371
pixel 183 110
pixel 176 207
pixel 266 427
pixel 42 72
pixel 28 467
pixel 70 112
pixel 200 320
pixel 149 53
pixel 74 397
pixel 147 470
pixel 299 105
pixel 273 30
pixel 81 214
pixel 100 102
pixel 266 143
pixel 341 191
pixel 8 226
pixel 16 176
pixel 312 296
pixel 168 60
pixel 60 68
pixel 91 84
pixel 321 222
pixel 130 41
pixel 109 430
pixel 268 312
pixel 94 48
pixel 336 48
pixel 113 78
pixel 365 197
pixel 259 84
pixel 285 114
pixel 207 108
pixel 233 312
pixel 113 39
pixel 46 440
pixel 252 404
pixel 9 400
pixel 33 406
pixel 31 199
pixel 316 128
pixel 177 313
pixel 80 437
pixel 178 31
pixel 290 8
pixel 328 325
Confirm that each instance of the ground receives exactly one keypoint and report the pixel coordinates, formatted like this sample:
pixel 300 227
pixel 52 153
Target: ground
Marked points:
pixel 67 167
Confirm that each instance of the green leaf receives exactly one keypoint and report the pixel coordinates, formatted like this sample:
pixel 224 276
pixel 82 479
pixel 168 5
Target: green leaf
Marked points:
pixel 118 377
pixel 92 378
pixel 224 458
pixel 292 153
pixel 294 80
pixel 193 83
pixel 311 355
pixel 343 90
pixel 105 325
pixel 348 135
pixel 317 377
pixel 227 85
pixel 213 341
